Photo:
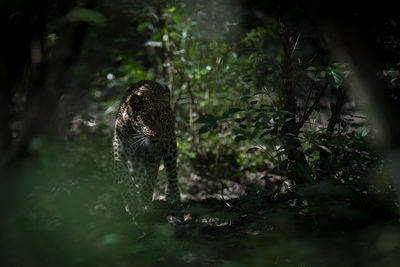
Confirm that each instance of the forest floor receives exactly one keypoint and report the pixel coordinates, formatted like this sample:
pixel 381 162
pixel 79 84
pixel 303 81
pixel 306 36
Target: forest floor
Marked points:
pixel 254 231
pixel 70 214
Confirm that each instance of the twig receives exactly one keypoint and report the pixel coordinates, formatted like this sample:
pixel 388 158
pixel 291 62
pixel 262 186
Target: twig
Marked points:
pixel 306 104
pixel 295 44
pixel 270 97
pixel 255 143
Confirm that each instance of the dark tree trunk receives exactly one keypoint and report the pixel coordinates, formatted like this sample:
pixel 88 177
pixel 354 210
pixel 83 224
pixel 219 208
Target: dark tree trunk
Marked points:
pixel 326 157
pixel 47 80
pixel 298 169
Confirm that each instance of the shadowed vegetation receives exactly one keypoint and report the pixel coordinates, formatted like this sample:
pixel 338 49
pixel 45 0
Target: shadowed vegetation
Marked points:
pixel 286 120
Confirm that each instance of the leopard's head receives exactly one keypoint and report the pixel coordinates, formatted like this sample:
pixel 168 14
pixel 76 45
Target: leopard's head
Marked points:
pixel 145 107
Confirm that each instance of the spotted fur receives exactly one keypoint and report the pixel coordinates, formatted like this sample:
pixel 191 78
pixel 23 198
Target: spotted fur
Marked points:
pixel 144 133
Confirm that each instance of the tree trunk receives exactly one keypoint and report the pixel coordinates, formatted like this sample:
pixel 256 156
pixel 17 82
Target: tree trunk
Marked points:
pixel 298 167
pixel 47 81
pixel 325 157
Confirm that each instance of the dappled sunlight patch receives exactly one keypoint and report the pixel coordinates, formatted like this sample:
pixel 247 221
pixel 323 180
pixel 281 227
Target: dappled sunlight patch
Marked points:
pixel 213 221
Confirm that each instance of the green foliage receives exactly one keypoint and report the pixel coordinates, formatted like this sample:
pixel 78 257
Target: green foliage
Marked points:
pixel 334 75
pixel 261 121
pixel 241 143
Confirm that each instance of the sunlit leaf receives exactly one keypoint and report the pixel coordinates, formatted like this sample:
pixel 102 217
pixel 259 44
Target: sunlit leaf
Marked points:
pixel 334 78
pixel 313 68
pixel 265 133
pixel 340 65
pixel 363 131
pixel 252 149
pixel 284 112
pixel 325 148
pixel 245 97
pixel 231 111
pixel 153 43
pixel 143 26
pixel 172 9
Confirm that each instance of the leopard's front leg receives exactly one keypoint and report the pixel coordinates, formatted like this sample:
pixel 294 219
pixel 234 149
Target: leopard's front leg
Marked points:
pixel 122 171
pixel 170 161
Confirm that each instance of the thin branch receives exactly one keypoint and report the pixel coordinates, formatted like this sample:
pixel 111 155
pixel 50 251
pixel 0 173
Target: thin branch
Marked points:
pixel 157 18
pixel 295 44
pixel 306 104
pixel 336 110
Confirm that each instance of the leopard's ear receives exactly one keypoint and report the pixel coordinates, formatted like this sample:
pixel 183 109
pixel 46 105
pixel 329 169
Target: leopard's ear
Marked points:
pixel 167 89
pixel 134 101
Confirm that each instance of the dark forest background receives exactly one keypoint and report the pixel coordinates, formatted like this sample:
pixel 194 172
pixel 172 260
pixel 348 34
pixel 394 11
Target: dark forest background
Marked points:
pixel 287 118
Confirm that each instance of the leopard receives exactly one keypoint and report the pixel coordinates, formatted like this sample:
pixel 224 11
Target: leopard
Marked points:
pixel 144 134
